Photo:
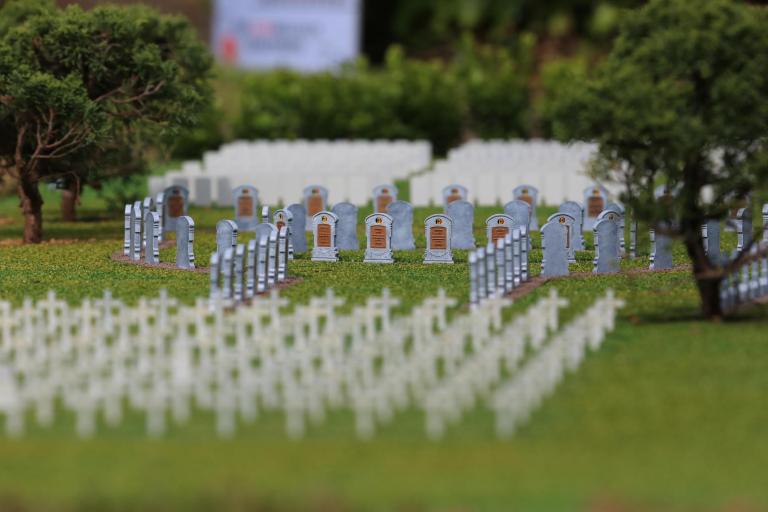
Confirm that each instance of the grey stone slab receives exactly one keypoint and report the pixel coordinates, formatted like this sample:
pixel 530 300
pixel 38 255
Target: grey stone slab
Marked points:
pixel 516 257
pixel 224 192
pixel 438 232
pixel 282 254
pixel 764 212
pixel 528 194
pixel 402 226
pixel 525 245
pixel 633 238
pixel 612 214
pixel 159 208
pixel 501 266
pixel 710 231
pixel 284 218
pixel 315 200
pixel 490 269
pixel 473 284
pixel 453 193
pixel 238 273
pixel 227 259
pixel 520 212
pixel 575 210
pixel 213 267
pixel 250 272
pixel 569 222
pixel 136 224
pixel 378 231
pixel 346 227
pixel 555 260
pixel 298 225
pixel 509 261
pixel 261 263
pixel 383 195
pixel 272 259
pixel 607 252
pixel 128 210
pixel 462 215
pixel 245 199
pixel 324 231
pixel 185 242
pixel 226 236
pixel 265 217
pixel 152 238
pixel 482 283
pixel 175 205
pixel 203 191
pixel 661 251
pixel 743 229
pixel 264 229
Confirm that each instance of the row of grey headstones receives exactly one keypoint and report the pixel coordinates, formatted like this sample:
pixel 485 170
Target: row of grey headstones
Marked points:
pixel 501 266
pixel 239 271
pixel 749 281
pixel 144 227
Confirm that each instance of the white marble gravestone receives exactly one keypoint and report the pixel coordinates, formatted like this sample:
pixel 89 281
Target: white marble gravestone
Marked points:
pixel 175 205
pixel 453 193
pixel 607 252
pixel 437 230
pixel 530 195
pixel 152 237
pixel 246 201
pixel 378 231
pixel 315 201
pixel 555 259
pixel 346 227
pixel 298 227
pixel 324 231
pixel 402 225
pixel 185 241
pixel 595 199
pixel 462 215
pixel 568 221
pixel 383 195
pixel 226 236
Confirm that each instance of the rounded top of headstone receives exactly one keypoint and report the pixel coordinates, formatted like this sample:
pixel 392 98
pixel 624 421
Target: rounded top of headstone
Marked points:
pixel 226 223
pixel 325 216
pixel 499 219
pixel 561 218
pixel 315 190
pixel 384 189
pixel 283 214
pixel 438 219
pixel 378 218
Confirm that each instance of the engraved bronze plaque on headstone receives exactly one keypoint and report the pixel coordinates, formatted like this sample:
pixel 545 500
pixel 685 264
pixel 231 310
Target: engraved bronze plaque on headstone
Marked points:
pixel 280 225
pixel 314 204
pixel 245 205
pixel 525 196
pixel 498 232
pixel 595 205
pixel 176 205
pixel 323 235
pixel 382 202
pixel 378 237
pixel 438 238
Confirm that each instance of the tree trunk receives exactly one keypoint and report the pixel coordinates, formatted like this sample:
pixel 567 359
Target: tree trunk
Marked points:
pixel 707 275
pixel 31 203
pixel 69 201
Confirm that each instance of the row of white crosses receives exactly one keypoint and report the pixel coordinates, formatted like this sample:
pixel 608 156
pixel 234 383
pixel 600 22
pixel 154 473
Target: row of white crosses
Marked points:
pixel 160 358
pixel 500 267
pixel 279 168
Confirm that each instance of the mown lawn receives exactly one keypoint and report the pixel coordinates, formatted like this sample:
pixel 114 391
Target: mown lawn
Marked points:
pixel 669 415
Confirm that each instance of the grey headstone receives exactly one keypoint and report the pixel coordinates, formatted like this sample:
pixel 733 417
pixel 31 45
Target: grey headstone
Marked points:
pixel 185 242
pixel 214 276
pixel 298 232
pixel 239 269
pixel 462 215
pixel 497 226
pixel 136 222
pixel 264 229
pixel 402 226
pixel 743 228
pixel 324 231
pixel 261 263
pixel 378 231
pixel 606 246
pixel 710 231
pixel 127 229
pixel 346 227
pixel 283 241
pixel 528 194
pixel 437 231
pixel 383 195
pixel 595 199
pixel 227 259
pixel 501 266
pixel 175 205
pixel 520 212
pixel 224 192
pixel 147 205
pixel 272 259
pixel 633 238
pixel 613 215
pixel 284 217
pixel 152 230
pixel 765 222
pixel 315 201
pixel 453 193
pixel 555 260
pixel 473 284
pixel 482 283
pixel 525 245
pixel 159 201
pixel 490 269
pixel 618 208
pixel 569 222
pixel 245 199
pixel 509 262
pixel 516 257
pixel 575 210
pixel 661 250
pixel 226 236
pixel 265 218
pixel 203 193
pixel 250 272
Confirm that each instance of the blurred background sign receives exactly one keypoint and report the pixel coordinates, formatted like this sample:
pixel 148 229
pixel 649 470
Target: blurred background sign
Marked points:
pixel 307 35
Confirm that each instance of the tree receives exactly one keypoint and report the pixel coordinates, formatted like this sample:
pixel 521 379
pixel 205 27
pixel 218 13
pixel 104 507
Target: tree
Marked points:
pixel 681 100
pixel 77 86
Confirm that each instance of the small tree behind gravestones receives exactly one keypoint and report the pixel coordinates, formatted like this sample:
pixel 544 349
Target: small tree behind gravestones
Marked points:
pixel 682 100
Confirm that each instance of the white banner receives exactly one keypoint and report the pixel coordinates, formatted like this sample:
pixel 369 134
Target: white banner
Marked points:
pixel 308 35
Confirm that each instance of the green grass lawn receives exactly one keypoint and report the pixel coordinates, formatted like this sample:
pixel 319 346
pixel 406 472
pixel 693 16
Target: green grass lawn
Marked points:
pixel 669 415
